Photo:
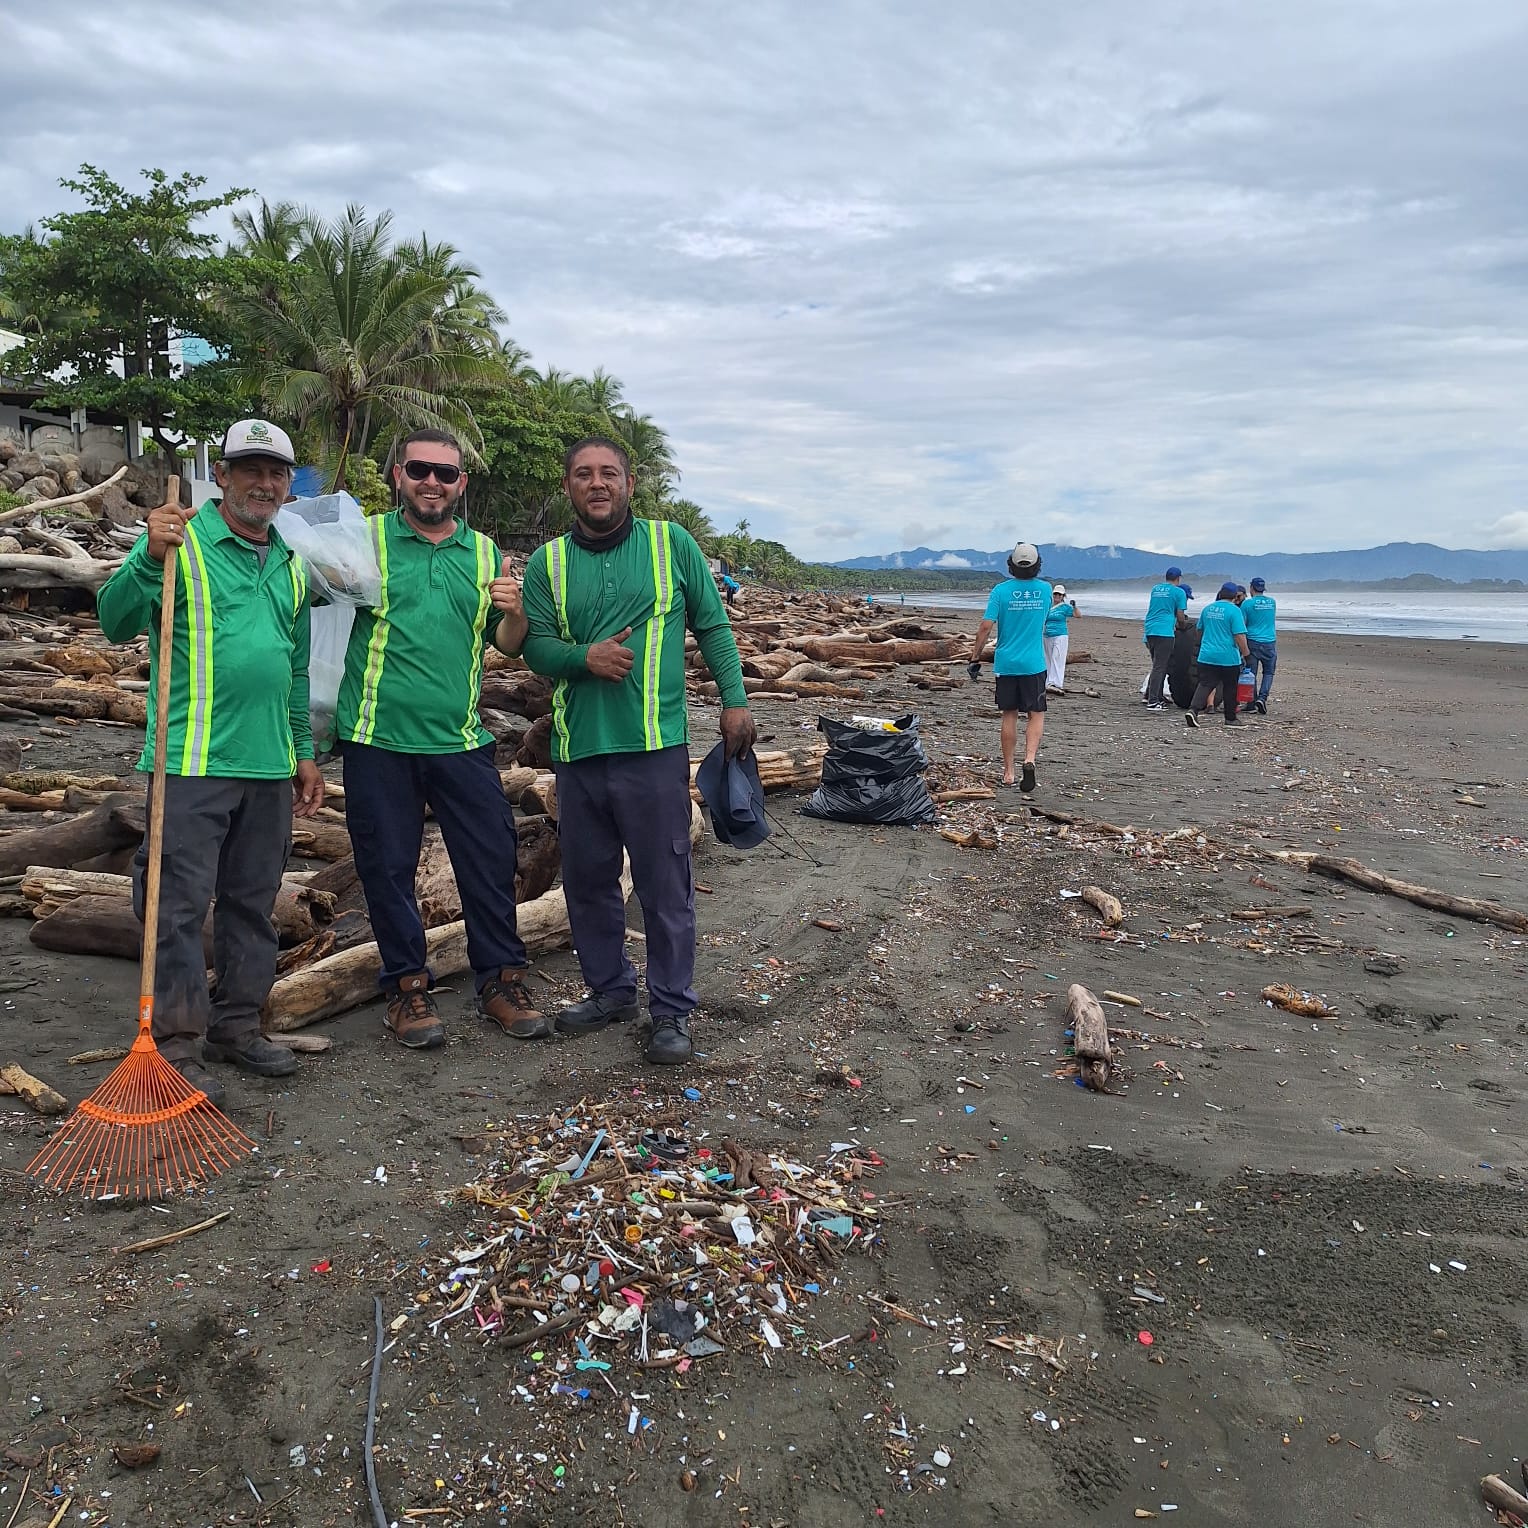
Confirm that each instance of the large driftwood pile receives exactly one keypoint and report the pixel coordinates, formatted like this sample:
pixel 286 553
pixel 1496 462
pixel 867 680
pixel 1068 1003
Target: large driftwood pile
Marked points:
pixel 816 646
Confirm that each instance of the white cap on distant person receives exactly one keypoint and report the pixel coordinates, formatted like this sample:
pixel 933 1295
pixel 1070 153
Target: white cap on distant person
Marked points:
pixel 257 437
pixel 1059 589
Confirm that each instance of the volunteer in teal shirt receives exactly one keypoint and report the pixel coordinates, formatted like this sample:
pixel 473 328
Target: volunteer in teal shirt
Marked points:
pixel 1016 610
pixel 1057 640
pixel 1259 610
pixel 1166 611
pixel 1222 647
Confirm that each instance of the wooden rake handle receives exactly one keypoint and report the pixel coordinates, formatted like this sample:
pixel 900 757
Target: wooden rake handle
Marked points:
pixel 156 790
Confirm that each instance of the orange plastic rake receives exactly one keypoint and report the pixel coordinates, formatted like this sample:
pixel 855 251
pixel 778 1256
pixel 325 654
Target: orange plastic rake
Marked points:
pixel 145 1131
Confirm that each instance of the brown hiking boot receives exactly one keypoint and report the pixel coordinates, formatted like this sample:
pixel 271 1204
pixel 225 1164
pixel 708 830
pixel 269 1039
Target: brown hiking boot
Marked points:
pixel 412 1016
pixel 506 1001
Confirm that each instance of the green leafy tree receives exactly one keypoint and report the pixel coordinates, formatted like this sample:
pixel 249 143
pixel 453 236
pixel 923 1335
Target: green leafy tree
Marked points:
pixel 365 340
pixel 105 290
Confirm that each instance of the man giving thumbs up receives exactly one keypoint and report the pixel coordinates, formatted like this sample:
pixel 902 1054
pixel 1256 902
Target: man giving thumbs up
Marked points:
pixel 607 607
pixel 412 737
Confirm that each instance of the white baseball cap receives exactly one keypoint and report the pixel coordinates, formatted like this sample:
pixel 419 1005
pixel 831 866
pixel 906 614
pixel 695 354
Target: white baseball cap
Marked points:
pixel 255 437
pixel 1058 589
pixel 1025 555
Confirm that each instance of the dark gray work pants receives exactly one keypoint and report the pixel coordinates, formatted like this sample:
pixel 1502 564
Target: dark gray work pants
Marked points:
pixel 1161 660
pixel 229 839
pixel 639 802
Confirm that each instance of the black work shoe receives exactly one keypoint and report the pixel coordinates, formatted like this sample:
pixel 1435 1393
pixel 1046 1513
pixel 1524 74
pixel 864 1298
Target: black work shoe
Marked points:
pixel 256 1054
pixel 668 1041
pixel 1189 719
pixel 1233 721
pixel 1261 707
pixel 1027 776
pixel 197 1076
pixel 595 1012
pixel 412 1015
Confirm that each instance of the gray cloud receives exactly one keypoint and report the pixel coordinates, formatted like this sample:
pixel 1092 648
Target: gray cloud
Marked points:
pixel 1187 276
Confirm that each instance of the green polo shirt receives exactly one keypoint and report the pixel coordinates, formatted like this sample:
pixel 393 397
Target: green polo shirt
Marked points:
pixel 657 582
pixel 414 666
pixel 239 665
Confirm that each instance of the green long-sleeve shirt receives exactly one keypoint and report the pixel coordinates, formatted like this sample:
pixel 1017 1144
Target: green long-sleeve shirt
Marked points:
pixel 657 582
pixel 414 667
pixel 239 662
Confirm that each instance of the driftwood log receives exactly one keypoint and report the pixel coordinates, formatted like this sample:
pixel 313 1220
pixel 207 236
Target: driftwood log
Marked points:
pixel 1504 1498
pixel 1109 908
pixel 348 979
pixel 92 925
pixel 301 910
pixel 27 570
pixel 33 1092
pixel 781 769
pixel 1351 870
pixel 1090 1032
pixel 117 823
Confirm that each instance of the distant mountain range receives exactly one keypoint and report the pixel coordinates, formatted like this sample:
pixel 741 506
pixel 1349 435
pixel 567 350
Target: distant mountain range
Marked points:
pixel 1398 559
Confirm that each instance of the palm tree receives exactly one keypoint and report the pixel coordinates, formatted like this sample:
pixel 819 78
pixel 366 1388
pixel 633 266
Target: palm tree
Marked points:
pixel 690 515
pixel 272 233
pixel 652 458
pixel 561 390
pixel 363 337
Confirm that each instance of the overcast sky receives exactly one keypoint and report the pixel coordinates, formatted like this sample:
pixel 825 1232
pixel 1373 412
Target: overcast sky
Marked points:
pixel 1184 274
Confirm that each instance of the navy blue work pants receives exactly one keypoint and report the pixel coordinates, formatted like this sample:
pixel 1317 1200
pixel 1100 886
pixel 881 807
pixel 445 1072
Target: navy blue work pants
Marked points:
pixel 639 803
pixel 386 794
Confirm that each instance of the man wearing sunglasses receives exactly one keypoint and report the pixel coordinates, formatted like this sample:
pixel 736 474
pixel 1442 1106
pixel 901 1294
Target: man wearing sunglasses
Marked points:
pixel 412 738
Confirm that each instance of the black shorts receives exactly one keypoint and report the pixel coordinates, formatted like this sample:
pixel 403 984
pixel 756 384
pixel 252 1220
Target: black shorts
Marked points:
pixel 1021 692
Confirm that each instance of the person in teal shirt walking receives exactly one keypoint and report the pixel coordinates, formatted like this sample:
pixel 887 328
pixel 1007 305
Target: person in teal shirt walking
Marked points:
pixel 1016 609
pixel 1056 639
pixel 1222 647
pixel 1259 610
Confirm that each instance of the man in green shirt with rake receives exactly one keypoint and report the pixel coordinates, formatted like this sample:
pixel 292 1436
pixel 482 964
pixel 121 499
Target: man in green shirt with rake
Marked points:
pixel 238 749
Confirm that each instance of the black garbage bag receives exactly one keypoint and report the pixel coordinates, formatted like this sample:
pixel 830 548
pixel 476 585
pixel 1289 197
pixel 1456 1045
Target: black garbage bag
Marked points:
pixel 872 776
pixel 1183 671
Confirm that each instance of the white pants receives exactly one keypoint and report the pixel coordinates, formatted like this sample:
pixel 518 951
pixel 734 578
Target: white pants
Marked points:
pixel 1055 662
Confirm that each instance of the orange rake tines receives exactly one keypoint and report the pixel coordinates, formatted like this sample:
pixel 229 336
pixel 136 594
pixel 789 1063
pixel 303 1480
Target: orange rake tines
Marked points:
pixel 145 1131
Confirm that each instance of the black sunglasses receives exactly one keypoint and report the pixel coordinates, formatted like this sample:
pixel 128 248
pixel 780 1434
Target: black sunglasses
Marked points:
pixel 445 473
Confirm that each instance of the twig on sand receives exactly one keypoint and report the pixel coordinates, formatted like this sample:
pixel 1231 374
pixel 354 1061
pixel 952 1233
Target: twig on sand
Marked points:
pixel 906 1315
pixel 174 1236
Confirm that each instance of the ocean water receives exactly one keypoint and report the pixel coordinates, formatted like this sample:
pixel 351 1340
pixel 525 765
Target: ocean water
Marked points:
pixel 1468 616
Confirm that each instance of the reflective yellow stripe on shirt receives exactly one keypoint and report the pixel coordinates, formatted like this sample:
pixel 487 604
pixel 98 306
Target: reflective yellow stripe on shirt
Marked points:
pixel 487 562
pixel 652 658
pixel 557 577
pixel 198 597
pixel 371 681
pixel 298 573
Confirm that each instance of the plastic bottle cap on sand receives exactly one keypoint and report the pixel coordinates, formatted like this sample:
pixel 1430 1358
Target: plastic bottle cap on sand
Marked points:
pixel 1145 1339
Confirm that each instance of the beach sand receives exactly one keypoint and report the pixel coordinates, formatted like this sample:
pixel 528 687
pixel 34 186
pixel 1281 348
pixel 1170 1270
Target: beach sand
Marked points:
pixel 1285 1186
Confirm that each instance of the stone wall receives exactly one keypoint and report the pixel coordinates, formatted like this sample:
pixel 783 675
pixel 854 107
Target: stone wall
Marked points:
pixel 50 474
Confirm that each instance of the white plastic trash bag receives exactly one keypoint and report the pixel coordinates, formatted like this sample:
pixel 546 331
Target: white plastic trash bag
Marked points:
pixel 326 667
pixel 331 534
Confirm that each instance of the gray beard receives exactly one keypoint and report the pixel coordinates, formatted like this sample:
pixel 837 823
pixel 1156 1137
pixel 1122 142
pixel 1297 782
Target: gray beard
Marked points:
pixel 252 519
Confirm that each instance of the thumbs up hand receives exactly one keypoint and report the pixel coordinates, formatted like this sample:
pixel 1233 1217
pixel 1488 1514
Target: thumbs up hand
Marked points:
pixel 504 591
